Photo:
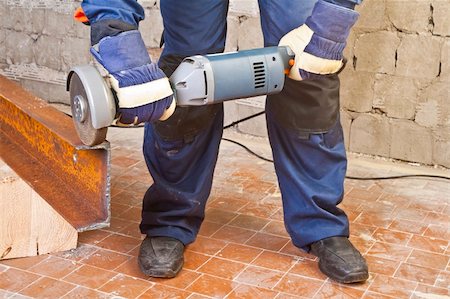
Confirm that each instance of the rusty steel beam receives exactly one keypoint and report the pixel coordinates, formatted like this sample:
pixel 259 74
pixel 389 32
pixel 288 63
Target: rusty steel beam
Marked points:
pixel 41 145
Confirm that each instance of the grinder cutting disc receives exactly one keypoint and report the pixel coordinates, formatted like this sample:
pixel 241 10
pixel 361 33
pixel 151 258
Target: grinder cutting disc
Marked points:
pixel 81 114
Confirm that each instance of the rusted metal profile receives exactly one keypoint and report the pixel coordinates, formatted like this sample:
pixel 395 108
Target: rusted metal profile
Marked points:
pixel 41 145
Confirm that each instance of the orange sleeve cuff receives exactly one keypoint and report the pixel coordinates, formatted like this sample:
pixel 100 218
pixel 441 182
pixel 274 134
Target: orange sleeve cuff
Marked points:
pixel 80 16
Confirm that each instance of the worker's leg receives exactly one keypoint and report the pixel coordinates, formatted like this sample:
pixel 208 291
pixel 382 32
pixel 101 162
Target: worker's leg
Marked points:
pixel 181 152
pixel 308 146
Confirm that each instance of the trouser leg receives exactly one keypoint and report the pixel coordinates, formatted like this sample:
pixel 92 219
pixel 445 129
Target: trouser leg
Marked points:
pixel 181 152
pixel 306 139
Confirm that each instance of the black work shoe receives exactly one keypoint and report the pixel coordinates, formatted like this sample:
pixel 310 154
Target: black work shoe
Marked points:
pixel 340 260
pixel 161 256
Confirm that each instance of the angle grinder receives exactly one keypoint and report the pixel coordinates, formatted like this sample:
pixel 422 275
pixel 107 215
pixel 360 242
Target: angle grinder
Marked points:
pixel 198 80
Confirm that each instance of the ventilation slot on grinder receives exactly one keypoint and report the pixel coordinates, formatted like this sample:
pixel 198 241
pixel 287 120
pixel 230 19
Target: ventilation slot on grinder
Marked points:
pixel 260 74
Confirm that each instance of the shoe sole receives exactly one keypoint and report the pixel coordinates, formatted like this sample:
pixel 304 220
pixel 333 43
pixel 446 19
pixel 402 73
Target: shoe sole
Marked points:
pixel 352 278
pixel 161 273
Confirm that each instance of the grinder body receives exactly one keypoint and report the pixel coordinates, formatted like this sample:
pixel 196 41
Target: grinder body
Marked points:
pixel 198 80
pixel 210 79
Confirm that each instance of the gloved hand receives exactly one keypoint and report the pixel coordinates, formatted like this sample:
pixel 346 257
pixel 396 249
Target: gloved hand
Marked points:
pixel 319 43
pixel 143 90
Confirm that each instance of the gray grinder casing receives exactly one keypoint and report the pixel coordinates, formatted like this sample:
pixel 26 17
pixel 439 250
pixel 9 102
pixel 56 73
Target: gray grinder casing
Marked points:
pixel 203 80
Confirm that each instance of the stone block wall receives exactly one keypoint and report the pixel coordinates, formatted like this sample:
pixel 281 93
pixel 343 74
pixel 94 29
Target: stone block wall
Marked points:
pixel 395 90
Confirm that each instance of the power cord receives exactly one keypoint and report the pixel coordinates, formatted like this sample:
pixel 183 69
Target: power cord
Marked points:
pixel 347 177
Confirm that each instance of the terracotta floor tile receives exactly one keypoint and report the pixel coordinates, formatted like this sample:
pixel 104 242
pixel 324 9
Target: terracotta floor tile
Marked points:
pixel 363 244
pixel 81 252
pixel 164 292
pixel 207 245
pixel 82 292
pixel 249 222
pixel 362 194
pixel 14 280
pixel 408 226
pixel 425 292
pixel 132 230
pixel 131 268
pixel 117 225
pixel 291 249
pixel 55 267
pixel 231 203
pixel 394 287
pixel 390 236
pixel 276 228
pixel 239 253
pixel 119 243
pixel 428 244
pixel 207 228
pixel 260 210
pixel 123 162
pixel 250 292
pixel 308 268
pixel 438 218
pixel 288 296
pixel 233 234
pixel 126 286
pixel 390 251
pixel 181 281
pixel 193 260
pixel 428 259
pixel 5 294
pixel 222 268
pixel 212 286
pixel 3 268
pixel 335 290
pixel 219 216
pixel 417 273
pixel 92 237
pixel 47 288
pixel 361 230
pixel 411 214
pixel 352 214
pixel 266 241
pixel 133 214
pixel 372 295
pixel 298 285
pixel 90 277
pixel 275 261
pixel 198 296
pixel 257 186
pixel 374 219
pixel 25 262
pixel 443 280
pixel 105 259
pixel 437 231
pixel 260 277
pixel 382 266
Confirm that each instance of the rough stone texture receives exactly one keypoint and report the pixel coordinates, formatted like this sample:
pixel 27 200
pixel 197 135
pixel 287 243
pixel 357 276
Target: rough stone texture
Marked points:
pixel 441 19
pixel 415 20
pixel 434 105
pixel 397 76
pixel 151 28
pixel 419 56
pixel 375 52
pixel 445 61
pixel 411 142
pixel 396 96
pixel 250 33
pixel 372 16
pixel 370 134
pixel 441 146
pixel 357 90
pixel 346 122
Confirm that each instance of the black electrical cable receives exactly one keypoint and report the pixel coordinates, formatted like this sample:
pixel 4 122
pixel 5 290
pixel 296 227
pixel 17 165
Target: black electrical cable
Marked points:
pixel 348 177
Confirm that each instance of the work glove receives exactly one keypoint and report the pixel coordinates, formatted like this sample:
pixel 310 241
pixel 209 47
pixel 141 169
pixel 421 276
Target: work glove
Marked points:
pixel 143 91
pixel 319 43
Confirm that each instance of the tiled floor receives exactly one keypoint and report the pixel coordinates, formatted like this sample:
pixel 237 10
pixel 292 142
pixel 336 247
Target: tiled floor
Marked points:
pixel 243 250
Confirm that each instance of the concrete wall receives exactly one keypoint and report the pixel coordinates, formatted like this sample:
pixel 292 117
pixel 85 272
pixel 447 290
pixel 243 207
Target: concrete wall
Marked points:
pixel 395 90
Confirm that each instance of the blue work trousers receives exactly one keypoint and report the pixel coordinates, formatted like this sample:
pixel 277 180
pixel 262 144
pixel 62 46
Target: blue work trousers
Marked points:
pixel 310 169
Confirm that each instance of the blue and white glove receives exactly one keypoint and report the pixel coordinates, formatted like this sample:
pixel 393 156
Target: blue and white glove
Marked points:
pixel 143 91
pixel 319 43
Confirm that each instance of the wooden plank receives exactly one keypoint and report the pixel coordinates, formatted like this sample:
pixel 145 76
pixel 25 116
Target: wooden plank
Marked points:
pixel 29 226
